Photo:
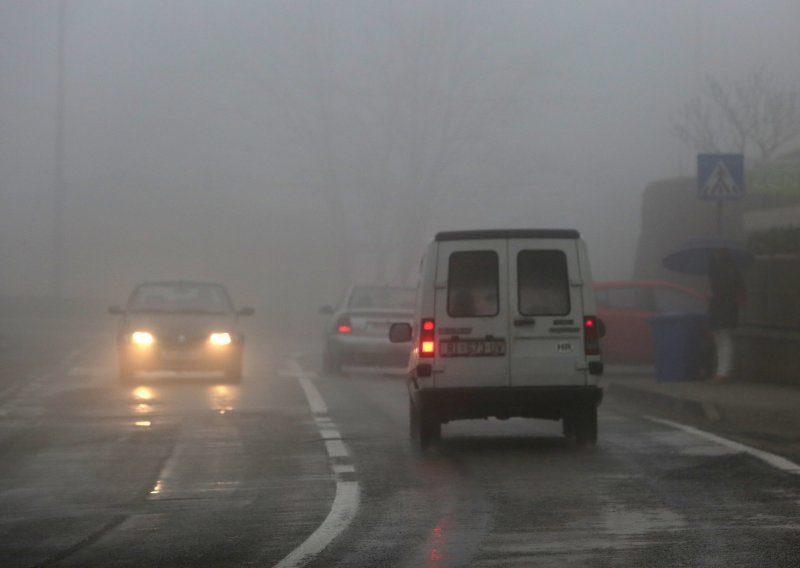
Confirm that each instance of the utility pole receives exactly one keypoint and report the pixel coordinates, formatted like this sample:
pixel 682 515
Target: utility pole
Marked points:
pixel 58 187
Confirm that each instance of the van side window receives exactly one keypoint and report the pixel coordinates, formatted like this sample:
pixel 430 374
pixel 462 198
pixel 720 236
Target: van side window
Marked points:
pixel 472 284
pixel 543 283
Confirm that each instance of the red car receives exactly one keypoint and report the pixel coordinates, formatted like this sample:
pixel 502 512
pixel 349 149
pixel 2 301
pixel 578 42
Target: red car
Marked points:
pixel 626 305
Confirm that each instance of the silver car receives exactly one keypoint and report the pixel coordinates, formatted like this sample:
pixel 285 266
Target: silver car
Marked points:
pixel 357 331
pixel 180 326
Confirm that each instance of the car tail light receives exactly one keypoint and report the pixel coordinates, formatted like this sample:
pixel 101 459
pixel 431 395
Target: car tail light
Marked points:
pixel 344 325
pixel 591 336
pixel 427 339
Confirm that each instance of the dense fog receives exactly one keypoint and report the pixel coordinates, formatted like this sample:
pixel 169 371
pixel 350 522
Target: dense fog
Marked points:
pixel 287 149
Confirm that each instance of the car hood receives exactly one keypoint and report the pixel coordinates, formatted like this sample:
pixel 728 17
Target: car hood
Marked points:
pixel 180 324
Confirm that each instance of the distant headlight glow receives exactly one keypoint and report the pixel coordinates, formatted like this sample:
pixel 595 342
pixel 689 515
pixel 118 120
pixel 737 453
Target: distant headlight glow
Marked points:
pixel 220 339
pixel 142 338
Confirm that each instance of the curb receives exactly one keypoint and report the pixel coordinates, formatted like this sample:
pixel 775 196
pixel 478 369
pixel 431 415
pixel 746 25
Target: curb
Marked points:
pixel 737 417
pixel 672 405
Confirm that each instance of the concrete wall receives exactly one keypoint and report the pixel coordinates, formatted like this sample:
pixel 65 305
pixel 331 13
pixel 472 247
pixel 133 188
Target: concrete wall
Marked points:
pixel 671 215
pixel 766 355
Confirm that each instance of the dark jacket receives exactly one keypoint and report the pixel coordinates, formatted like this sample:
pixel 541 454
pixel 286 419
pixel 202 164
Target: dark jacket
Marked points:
pixel 726 292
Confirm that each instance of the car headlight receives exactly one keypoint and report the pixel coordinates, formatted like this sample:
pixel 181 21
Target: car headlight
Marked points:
pixel 220 339
pixel 142 338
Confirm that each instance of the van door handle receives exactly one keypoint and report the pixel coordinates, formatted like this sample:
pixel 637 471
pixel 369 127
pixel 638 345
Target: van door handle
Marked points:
pixel 524 321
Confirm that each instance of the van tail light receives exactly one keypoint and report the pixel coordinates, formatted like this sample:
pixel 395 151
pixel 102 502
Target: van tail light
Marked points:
pixel 427 339
pixel 344 325
pixel 591 336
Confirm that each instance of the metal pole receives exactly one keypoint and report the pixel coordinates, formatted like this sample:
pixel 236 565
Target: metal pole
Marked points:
pixel 58 189
pixel 719 217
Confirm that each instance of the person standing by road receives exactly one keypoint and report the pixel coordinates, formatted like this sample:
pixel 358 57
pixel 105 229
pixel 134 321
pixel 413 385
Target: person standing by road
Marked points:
pixel 726 294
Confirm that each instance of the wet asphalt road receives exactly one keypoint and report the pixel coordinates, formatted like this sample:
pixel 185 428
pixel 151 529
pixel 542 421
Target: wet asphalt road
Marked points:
pixel 188 471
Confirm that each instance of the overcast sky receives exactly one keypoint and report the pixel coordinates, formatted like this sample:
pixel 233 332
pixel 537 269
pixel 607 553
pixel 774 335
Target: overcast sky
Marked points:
pixel 181 113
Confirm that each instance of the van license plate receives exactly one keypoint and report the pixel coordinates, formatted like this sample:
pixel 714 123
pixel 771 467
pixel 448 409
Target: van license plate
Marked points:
pixel 473 348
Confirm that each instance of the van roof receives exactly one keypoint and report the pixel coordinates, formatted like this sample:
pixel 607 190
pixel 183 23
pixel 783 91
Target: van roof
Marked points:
pixel 508 234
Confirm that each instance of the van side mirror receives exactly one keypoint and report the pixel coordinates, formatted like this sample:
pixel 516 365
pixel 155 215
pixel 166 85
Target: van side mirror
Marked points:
pixel 115 311
pixel 601 328
pixel 245 312
pixel 326 310
pixel 400 333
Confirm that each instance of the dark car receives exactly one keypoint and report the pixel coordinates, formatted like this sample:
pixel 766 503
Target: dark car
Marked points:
pixel 357 331
pixel 625 306
pixel 180 326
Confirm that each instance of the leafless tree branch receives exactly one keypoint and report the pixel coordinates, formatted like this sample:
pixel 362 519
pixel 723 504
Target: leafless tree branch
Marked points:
pixel 752 114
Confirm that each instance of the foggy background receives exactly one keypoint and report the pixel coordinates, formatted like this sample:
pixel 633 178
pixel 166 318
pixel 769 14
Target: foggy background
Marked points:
pixel 286 149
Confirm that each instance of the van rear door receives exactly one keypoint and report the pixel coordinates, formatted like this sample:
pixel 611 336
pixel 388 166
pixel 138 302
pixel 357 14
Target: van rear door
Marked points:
pixel 546 341
pixel 471 313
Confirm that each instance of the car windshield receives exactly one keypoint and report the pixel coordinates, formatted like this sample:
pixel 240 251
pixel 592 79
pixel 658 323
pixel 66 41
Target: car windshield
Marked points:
pixel 402 298
pixel 180 298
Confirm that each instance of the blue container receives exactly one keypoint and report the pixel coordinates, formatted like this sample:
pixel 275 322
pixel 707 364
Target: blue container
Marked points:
pixel 678 346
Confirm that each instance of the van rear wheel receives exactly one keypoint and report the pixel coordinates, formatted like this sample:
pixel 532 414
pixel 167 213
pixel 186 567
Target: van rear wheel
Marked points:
pixel 424 425
pixel 430 429
pixel 580 426
pixel 413 421
pixel 586 427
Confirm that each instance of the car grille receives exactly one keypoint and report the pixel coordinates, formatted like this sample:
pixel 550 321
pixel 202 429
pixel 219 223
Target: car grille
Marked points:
pixel 181 341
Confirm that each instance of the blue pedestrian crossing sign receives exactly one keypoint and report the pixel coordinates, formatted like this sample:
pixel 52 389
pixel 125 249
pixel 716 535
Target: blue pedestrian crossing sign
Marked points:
pixel 720 176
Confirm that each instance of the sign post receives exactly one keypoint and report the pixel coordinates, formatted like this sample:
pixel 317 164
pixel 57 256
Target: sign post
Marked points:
pixel 720 177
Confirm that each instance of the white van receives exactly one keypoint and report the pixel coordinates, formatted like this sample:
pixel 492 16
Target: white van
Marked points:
pixel 504 326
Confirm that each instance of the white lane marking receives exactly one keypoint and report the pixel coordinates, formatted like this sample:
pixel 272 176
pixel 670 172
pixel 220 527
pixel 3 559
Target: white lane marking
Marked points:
pixel 315 401
pixel 336 449
pixel 771 459
pixel 344 508
pixel 345 503
pixel 295 368
pixel 330 434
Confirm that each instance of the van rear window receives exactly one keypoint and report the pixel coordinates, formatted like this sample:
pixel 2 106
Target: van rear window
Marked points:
pixel 472 284
pixel 543 283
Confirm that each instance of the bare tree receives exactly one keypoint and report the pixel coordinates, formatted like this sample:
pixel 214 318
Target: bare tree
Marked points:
pixel 388 105
pixel 752 114
pixel 431 115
